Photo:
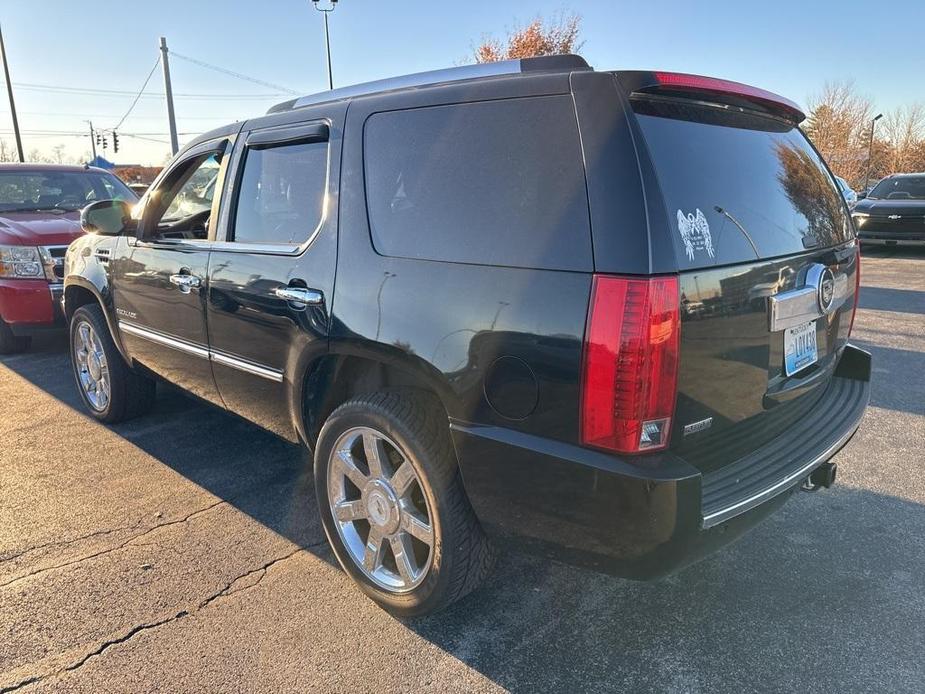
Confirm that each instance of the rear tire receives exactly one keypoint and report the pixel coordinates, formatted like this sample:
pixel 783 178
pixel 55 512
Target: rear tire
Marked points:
pixel 10 343
pixel 417 497
pixel 110 390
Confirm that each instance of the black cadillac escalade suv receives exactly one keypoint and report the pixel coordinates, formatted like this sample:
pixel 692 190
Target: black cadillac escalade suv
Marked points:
pixel 606 313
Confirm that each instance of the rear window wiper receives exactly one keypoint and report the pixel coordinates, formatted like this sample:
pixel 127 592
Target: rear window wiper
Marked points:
pixel 739 226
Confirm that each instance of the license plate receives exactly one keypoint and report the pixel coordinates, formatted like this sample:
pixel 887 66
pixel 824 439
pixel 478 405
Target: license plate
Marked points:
pixel 800 347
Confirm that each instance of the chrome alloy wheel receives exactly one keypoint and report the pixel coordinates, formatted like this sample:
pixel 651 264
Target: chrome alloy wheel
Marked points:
pixel 380 510
pixel 92 368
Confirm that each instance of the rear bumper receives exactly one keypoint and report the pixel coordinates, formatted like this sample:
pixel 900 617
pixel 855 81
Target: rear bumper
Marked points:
pixel 645 518
pixel 30 306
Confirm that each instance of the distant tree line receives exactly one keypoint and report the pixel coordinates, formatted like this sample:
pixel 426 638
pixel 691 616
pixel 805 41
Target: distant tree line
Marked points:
pixel 839 124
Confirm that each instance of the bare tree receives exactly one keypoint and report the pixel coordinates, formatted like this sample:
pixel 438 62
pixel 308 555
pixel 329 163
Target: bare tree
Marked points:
pixel 36 156
pixel 7 152
pixel 904 130
pixel 539 37
pixel 57 154
pixel 839 126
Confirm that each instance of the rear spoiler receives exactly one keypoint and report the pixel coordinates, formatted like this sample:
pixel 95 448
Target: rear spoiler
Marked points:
pixel 721 91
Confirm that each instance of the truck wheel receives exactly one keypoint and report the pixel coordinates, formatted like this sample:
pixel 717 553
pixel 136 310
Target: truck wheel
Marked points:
pixel 111 391
pixel 10 343
pixel 393 505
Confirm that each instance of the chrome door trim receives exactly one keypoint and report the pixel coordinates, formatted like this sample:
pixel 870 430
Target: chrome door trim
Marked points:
pixel 299 295
pixel 801 305
pixel 188 348
pixel 263 371
pixel 165 340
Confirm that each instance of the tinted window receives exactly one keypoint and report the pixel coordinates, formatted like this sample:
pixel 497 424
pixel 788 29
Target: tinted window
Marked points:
pixel 497 183
pixel 282 193
pixel 738 186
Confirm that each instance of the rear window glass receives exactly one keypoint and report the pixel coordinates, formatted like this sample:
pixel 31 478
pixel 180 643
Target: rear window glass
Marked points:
pixel 738 186
pixel 499 183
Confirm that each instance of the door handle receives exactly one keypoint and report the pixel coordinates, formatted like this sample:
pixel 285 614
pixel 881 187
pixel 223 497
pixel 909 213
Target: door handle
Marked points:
pixel 185 282
pixel 299 296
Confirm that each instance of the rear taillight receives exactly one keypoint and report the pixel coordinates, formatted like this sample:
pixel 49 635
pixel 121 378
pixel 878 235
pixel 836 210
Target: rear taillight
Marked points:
pixel 857 288
pixel 630 370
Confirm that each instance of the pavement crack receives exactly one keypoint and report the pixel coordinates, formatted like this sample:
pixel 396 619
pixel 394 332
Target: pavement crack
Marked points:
pixel 64 543
pixel 117 548
pixel 261 570
pixel 228 589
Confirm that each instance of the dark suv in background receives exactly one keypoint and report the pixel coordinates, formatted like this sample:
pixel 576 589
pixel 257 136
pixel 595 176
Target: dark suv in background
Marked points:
pixel 893 212
pixel 605 313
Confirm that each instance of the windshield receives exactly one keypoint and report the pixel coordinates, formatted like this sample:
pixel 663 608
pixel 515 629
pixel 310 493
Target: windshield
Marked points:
pixel 737 186
pixel 65 191
pixel 904 188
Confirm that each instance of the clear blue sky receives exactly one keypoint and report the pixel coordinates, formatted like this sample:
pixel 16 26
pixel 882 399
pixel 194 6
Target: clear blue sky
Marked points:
pixel 789 47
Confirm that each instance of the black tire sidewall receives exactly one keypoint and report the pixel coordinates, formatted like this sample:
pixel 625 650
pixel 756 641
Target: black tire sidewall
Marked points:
pixel 10 343
pixel 94 316
pixel 430 592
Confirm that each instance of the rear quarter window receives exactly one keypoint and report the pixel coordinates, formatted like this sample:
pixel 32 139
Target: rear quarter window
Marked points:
pixel 495 183
pixel 738 186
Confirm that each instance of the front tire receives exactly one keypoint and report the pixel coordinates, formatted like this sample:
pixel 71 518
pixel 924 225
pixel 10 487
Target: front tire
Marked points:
pixel 393 505
pixel 10 343
pixel 110 390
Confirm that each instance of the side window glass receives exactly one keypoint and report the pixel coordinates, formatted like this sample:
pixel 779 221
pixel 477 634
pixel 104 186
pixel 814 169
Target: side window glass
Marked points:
pixel 495 182
pixel 282 193
pixel 183 202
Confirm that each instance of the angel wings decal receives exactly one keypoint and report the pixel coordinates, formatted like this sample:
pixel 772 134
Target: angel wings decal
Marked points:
pixel 695 233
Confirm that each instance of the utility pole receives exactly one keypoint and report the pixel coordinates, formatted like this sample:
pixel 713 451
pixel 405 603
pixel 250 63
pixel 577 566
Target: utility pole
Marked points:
pixel 171 118
pixel 9 89
pixel 327 36
pixel 870 150
pixel 92 138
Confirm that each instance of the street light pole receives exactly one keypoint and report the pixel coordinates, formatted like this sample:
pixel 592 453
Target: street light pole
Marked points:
pixel 9 89
pixel 870 149
pixel 327 35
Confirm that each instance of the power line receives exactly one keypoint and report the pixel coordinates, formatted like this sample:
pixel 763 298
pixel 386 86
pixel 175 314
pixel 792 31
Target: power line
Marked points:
pixel 232 73
pixel 138 95
pixel 137 116
pixel 80 133
pixel 148 139
pixel 150 95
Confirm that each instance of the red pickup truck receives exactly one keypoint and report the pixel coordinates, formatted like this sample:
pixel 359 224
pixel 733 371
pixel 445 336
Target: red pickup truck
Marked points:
pixel 39 217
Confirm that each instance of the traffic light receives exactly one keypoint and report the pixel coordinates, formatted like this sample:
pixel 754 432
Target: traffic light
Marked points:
pixel 99 138
pixel 115 142
pixel 105 143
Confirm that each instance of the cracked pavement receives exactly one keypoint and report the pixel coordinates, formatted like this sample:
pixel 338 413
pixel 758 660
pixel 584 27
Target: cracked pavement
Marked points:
pixel 181 552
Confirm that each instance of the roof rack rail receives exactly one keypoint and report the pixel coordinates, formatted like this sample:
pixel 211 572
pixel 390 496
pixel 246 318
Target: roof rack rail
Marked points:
pixel 550 63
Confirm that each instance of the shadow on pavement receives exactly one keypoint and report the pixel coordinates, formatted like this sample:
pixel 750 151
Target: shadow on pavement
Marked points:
pixel 883 299
pixel 901 252
pixel 826 595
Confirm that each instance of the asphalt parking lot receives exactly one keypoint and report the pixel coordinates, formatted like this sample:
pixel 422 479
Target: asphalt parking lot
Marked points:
pixel 182 552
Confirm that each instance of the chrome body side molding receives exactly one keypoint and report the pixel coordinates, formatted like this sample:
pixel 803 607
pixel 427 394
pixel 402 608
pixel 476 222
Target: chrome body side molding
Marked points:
pixel 202 352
